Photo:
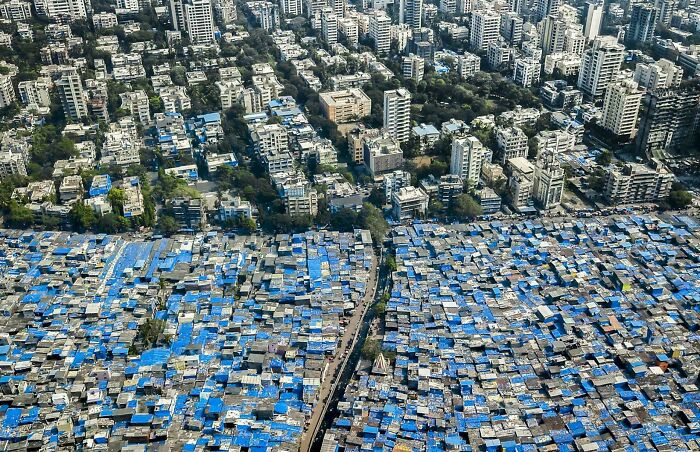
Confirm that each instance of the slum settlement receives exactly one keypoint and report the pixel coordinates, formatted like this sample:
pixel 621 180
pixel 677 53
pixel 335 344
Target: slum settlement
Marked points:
pixel 545 335
pixel 201 341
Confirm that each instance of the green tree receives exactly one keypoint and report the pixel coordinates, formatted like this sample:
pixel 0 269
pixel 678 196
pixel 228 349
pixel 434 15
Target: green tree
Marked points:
pixel 371 218
pixel 117 197
pixel 18 216
pixel 82 217
pixel 464 206
pixel 604 158
pixel 679 199
pixel 371 349
pixel 168 225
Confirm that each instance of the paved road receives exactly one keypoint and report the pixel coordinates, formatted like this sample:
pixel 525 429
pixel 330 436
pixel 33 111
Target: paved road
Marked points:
pixel 336 366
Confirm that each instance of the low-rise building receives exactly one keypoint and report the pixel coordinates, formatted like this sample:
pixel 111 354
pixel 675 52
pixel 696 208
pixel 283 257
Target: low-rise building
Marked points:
pixel 409 202
pixel 346 105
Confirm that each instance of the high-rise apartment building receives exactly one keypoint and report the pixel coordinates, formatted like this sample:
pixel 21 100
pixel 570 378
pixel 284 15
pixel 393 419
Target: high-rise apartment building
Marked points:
pixel 467 158
pixel 636 182
pixel 669 120
pixel 413 66
pixel 548 184
pixel 380 31
pixel 599 64
pixel 195 17
pixel 592 19
pixel 411 13
pixel 546 8
pixel 642 24
pixel 485 29
pixel 658 75
pixel 397 114
pixel 621 107
pixel 70 90
pixel 329 26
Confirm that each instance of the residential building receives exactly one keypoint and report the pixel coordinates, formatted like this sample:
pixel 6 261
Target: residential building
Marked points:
pixel 546 8
pixel 468 64
pixel 35 92
pixel 548 186
pixel 292 8
pixel 269 138
pixel 553 31
pixel 302 202
pixel 233 207
pixel 12 164
pixel 643 19
pixel 489 201
pixel 621 107
pixel 557 141
pixel 137 104
pixel 468 157
pixel 526 71
pixel 104 20
pixel 397 113
pixel 382 154
pixel 409 202
pixel 71 189
pixel 348 28
pixel 133 205
pixel 559 95
pixel 345 106
pixel 393 181
pixel 266 14
pixel 73 99
pixel 329 26
pixel 7 91
pixel 599 65
pixel 636 183
pixel 499 55
pixel 658 75
pixel 669 120
pixel 520 183
pixel 511 142
pixel 61 10
pixel 450 187
pixel 16 10
pixel 427 135
pixel 592 19
pixel 380 31
pixel 413 66
pixel 512 27
pixel 195 17
pixel 190 213
pixel 411 13
pixel 356 142
pixel 485 29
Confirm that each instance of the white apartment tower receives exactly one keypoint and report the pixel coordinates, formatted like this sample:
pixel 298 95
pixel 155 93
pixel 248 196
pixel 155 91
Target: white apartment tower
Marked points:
pixel 61 10
pixel 338 6
pixel 380 31
pixel 195 17
pixel 70 90
pixel 329 26
pixel 548 185
pixel 599 64
pixel 547 7
pixel 621 107
pixel 397 114
pixel 411 13
pixel 485 29
pixel 592 19
pixel 413 67
pixel 659 75
pixel 467 158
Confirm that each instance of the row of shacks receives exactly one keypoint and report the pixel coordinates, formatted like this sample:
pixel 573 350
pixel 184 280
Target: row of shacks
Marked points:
pixel 547 335
pixel 244 328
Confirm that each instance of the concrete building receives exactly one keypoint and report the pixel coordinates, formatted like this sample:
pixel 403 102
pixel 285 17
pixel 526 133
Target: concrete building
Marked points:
pixel 411 13
pixel 485 29
pixel 599 65
pixel 266 14
pixel 393 181
pixel 329 26
pixel 269 138
pixel 348 28
pixel 137 104
pixel 643 19
pixel 636 182
pixel 408 203
pixel 61 10
pixel 195 17
pixel 526 71
pixel 512 27
pixel 303 203
pixel 413 66
pixel 592 19
pixel 658 75
pixel 356 142
pixel 73 99
pixel 621 107
pixel 489 201
pixel 190 213
pixel 548 185
pixel 511 142
pixel 12 164
pixel 450 187
pixel 553 31
pixel 468 157
pixel 380 31
pixel 233 207
pixel 397 114
pixel 345 106
pixel 382 154
pixel 520 183
pixel 499 55
pixel 546 8
pixel 36 91
pixel 16 10
pixel 71 189
pixel 104 20
pixel 559 95
pixel 468 64
pixel 557 141
pixel 668 121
